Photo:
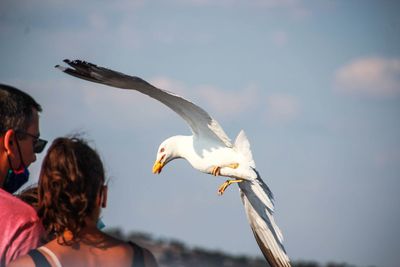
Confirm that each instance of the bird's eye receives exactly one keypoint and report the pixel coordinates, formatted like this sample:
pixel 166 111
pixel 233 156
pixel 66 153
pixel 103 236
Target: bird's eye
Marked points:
pixel 162 150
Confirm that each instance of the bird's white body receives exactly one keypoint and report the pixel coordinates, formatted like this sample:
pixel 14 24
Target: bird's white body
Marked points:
pixel 209 147
pixel 204 156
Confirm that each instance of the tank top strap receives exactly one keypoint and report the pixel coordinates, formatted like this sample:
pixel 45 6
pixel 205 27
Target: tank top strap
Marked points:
pixel 38 258
pixel 51 254
pixel 138 257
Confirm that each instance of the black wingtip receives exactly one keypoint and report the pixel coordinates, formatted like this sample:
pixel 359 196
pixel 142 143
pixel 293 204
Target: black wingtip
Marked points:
pixel 60 68
pixel 67 60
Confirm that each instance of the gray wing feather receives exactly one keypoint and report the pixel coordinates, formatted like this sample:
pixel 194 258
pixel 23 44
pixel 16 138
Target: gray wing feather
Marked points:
pixel 262 223
pixel 198 119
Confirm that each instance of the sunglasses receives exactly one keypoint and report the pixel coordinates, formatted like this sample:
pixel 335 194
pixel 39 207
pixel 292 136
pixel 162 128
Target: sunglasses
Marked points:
pixel 38 144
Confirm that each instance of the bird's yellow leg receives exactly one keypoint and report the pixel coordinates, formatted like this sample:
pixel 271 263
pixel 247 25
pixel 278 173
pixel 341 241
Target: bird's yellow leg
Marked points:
pixel 225 185
pixel 233 165
pixel 216 170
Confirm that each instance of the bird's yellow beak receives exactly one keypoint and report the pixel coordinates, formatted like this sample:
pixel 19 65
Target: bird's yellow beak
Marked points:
pixel 157 167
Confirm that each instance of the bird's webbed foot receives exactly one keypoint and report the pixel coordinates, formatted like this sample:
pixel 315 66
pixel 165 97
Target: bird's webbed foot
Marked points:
pixel 225 185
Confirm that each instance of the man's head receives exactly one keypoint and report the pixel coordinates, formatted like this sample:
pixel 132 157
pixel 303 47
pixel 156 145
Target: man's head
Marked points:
pixel 19 131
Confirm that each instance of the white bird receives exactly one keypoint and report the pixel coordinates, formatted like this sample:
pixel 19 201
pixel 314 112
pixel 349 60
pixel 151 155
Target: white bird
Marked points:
pixel 208 150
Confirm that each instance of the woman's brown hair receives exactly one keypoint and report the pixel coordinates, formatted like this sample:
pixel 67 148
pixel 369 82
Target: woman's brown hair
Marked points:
pixel 70 180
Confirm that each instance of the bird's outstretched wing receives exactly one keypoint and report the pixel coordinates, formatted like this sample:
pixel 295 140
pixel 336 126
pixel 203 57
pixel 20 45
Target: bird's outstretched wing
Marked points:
pixel 255 194
pixel 257 198
pixel 200 122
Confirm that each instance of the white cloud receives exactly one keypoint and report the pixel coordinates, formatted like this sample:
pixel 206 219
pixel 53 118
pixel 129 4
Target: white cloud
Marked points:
pixel 296 8
pixel 387 158
pixel 165 83
pixel 279 38
pixel 282 108
pixel 100 105
pixel 113 104
pixel 372 76
pixel 259 3
pixel 98 21
pixel 225 103
pixel 229 103
pixel 92 105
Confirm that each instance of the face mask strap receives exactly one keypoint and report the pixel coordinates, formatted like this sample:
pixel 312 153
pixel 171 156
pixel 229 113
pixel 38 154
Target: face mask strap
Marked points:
pixel 22 166
pixel 15 178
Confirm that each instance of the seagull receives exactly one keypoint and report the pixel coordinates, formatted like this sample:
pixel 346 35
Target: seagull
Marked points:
pixel 208 150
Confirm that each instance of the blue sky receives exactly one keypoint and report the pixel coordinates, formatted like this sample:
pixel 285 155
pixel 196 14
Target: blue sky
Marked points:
pixel 315 85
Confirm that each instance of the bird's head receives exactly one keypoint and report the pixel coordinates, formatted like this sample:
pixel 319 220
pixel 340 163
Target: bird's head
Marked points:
pixel 165 154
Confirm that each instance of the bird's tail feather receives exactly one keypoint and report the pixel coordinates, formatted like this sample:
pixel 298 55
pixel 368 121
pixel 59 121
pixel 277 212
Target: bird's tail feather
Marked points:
pixel 242 145
pixel 260 194
pixel 262 223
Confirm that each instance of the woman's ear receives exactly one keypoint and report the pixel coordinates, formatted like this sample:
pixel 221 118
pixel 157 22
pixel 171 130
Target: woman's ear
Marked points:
pixel 104 196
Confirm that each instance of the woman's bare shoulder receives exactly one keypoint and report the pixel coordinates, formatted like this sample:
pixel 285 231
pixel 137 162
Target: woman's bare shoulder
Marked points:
pixel 24 261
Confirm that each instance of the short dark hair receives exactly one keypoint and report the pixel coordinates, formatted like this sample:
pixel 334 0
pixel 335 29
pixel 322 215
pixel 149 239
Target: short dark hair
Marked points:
pixel 70 180
pixel 15 109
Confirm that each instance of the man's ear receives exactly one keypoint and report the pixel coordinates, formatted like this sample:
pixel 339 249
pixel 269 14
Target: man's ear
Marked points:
pixel 9 141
